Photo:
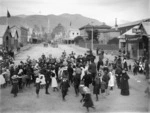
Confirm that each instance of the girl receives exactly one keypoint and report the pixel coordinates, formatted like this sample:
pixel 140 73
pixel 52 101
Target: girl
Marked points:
pixel 37 84
pixel 54 81
pixel 43 82
pixel 81 90
pixel 14 85
pixel 96 87
pixel 87 99
pixel 111 82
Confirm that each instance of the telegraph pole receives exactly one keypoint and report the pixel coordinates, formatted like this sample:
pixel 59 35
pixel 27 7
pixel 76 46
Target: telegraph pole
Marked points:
pixel 92 40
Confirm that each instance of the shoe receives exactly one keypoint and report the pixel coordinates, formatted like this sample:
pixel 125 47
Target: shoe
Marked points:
pixel 47 93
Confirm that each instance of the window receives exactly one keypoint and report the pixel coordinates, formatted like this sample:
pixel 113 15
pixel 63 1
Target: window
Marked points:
pixel 73 33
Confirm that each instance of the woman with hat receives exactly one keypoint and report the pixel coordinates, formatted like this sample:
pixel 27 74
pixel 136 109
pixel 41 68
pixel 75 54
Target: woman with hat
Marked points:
pixel 87 99
pixel 14 85
pixel 124 83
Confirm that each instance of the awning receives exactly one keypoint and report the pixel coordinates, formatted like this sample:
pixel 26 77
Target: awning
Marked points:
pixel 133 38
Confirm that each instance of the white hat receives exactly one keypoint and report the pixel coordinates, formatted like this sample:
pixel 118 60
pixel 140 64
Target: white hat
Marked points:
pixel 14 77
pixel 86 90
pixel 37 80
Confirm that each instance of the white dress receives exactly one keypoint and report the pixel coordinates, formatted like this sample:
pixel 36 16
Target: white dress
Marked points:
pixel 54 81
pixel 42 77
pixel 111 82
pixel 83 72
pixel 2 79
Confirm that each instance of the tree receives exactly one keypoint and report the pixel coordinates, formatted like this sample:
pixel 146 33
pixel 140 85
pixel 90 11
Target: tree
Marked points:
pixel 95 35
pixel 36 28
pixel 115 40
pixel 78 38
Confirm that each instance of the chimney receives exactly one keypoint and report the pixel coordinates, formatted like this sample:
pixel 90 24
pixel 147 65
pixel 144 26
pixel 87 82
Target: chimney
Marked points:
pixel 116 26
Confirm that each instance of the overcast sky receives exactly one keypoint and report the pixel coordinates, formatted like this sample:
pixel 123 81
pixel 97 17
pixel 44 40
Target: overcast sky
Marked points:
pixel 102 10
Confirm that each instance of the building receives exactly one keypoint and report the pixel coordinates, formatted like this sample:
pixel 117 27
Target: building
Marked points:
pixel 5 38
pixel 136 41
pixel 126 27
pixel 30 32
pixel 71 35
pixel 15 38
pixel 105 32
pixel 23 35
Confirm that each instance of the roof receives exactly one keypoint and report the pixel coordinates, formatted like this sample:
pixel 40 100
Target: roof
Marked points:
pixel 13 32
pixel 3 29
pixel 133 23
pixel 88 26
pixel 129 32
pixel 146 26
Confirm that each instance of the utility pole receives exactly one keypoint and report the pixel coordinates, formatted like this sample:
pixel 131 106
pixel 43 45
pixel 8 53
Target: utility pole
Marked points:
pixel 92 40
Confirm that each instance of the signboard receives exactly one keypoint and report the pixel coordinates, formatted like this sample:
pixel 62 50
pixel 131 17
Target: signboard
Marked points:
pixel 136 30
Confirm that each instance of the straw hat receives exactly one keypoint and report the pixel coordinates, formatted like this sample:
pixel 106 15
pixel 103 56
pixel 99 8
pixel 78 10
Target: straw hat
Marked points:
pixel 14 77
pixel 86 90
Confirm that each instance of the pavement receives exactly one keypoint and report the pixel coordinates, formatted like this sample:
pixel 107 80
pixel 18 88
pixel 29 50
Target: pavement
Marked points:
pixel 27 102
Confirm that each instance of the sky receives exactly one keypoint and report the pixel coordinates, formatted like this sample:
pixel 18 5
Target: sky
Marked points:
pixel 103 10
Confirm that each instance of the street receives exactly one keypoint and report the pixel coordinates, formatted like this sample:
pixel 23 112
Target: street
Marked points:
pixel 27 102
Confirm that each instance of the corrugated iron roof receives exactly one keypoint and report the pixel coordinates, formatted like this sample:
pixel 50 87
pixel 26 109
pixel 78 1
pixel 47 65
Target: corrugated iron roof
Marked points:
pixel 133 23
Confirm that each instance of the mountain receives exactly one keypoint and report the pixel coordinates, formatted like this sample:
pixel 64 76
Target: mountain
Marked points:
pixel 75 20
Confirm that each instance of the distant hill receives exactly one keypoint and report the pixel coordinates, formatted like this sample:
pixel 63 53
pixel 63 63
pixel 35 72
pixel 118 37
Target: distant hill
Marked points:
pixel 75 20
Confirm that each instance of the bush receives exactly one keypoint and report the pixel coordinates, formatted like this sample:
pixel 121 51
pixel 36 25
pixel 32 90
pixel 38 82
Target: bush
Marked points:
pixel 78 39
pixel 114 41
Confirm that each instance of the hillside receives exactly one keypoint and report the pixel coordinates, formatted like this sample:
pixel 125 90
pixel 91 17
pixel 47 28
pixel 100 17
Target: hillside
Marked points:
pixel 75 20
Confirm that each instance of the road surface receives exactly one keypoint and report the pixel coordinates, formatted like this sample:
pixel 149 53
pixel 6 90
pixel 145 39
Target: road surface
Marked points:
pixel 27 102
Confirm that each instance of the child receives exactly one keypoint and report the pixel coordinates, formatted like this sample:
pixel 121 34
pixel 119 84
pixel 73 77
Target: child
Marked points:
pixel 43 82
pixel 81 90
pixel 96 87
pixel 87 99
pixel 111 82
pixel 14 85
pixel 37 83
pixel 54 81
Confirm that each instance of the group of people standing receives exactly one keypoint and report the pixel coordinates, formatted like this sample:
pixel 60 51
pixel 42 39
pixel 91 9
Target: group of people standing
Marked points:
pixel 81 72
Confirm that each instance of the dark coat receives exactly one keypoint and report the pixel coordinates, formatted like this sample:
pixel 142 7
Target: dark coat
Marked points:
pixel 14 86
pixel 100 63
pixel 87 79
pixel 92 68
pixel 106 79
pixel 125 65
pixel 124 84
pixel 88 101
pixel 97 85
pixel 64 86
